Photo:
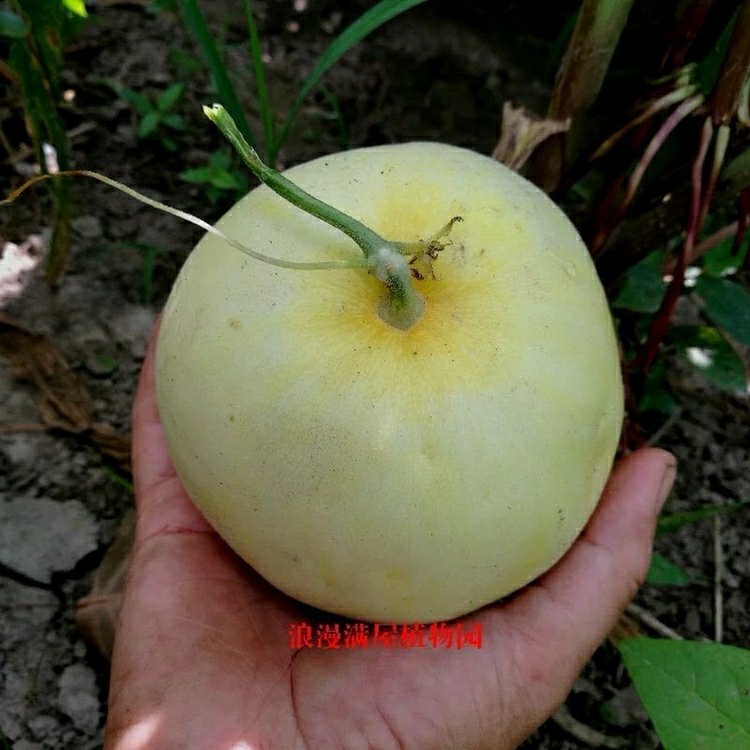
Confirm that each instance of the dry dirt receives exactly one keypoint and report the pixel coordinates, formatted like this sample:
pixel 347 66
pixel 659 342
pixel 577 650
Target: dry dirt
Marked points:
pixel 434 74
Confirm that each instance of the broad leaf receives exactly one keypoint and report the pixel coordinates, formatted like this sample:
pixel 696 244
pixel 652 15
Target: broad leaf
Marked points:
pixel 697 694
pixel 727 304
pixel 656 393
pixel 706 350
pixel 719 261
pixel 664 572
pixel 644 286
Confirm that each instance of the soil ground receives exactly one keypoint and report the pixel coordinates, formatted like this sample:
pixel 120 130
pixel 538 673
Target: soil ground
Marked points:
pixel 437 73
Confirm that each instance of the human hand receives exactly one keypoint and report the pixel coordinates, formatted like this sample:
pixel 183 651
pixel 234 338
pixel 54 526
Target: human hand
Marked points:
pixel 202 656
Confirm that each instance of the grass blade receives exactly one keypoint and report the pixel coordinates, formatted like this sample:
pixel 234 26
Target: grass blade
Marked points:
pixel 368 22
pixel 195 21
pixel 674 521
pixel 266 113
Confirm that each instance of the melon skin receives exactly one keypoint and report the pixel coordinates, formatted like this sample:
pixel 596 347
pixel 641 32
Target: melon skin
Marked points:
pixel 381 474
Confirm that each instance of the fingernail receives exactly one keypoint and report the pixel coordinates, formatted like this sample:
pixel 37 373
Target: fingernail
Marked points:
pixel 667 481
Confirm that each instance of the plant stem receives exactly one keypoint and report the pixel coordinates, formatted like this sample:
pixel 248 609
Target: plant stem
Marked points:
pixel 402 307
pixel 660 322
pixel 580 77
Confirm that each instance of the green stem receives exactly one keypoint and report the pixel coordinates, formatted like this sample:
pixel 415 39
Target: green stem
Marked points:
pixel 402 307
pixel 369 242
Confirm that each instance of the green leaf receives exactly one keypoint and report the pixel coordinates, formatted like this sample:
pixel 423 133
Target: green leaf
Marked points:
pixel 12 26
pixel 174 121
pixel 708 352
pixel 674 521
pixel 215 174
pixel 727 304
pixel 148 124
pixel 664 572
pixel 719 261
pixel 138 100
pixel 644 286
pixel 697 694
pixel 225 180
pixel 220 160
pixel 737 167
pixel 197 176
pixel 368 22
pixel 707 71
pixel 76 6
pixel 168 98
pixel 656 393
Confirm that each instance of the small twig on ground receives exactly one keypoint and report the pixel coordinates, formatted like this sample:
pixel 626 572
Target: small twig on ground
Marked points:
pixel 583 732
pixel 650 621
pixel 718 575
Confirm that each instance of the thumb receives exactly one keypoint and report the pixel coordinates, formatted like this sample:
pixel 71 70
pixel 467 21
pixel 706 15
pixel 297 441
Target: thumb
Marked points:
pixel 566 614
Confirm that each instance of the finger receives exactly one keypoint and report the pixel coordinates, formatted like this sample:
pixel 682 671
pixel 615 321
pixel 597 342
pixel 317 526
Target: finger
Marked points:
pixel 533 646
pixel 162 503
pixel 566 614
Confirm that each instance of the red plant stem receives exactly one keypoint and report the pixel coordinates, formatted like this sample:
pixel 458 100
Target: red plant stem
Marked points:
pixel 671 97
pixel 706 244
pixel 675 118
pixel 660 323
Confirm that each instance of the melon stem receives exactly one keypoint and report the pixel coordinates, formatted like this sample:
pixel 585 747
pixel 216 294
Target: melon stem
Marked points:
pixel 401 306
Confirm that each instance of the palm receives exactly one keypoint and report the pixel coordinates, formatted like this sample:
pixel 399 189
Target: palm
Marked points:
pixel 202 652
pixel 199 617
